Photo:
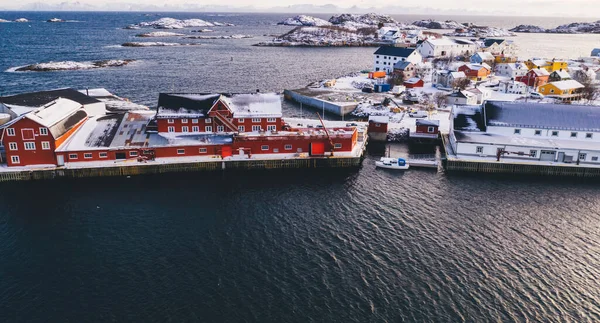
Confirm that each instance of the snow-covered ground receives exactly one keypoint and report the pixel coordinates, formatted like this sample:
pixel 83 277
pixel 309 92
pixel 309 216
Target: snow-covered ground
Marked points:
pixel 70 65
pixel 304 20
pixel 572 28
pixel 155 44
pixel 159 34
pixel 234 36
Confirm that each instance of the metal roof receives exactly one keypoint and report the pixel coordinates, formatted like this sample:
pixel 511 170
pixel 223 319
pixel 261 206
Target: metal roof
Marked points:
pixel 38 99
pixel 491 41
pixel 542 116
pixel 402 65
pixel 423 122
pixel 394 51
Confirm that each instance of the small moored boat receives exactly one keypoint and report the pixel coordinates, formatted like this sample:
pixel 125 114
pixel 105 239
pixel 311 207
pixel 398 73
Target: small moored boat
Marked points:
pixel 392 163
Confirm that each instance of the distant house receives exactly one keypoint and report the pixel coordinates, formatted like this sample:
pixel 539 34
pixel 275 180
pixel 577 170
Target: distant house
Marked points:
pixel 512 70
pixel 591 74
pixel 391 35
pixel 559 76
pixel 446 47
pixel 505 59
pixel 378 128
pixel 475 72
pixel 537 64
pixel 414 82
pixel 482 57
pixel 549 66
pixel 406 69
pixel 565 90
pixel 387 56
pixel 461 98
pixel 446 79
pixel 512 87
pixel 427 129
pixel 596 52
pixel 535 77
pixel 499 47
pixel 481 94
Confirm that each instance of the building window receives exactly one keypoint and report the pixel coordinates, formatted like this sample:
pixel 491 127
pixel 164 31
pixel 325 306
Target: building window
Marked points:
pixel 170 121
pixel 194 120
pixel 255 119
pixel 87 155
pixel 43 131
pixel 588 135
pixel 171 129
pixel 195 129
pixel 287 147
pixel 185 129
pixel 207 120
pixel 582 156
pixel 220 128
pixel 271 128
pixel 479 150
pixel 10 132
pixel 72 156
pixel 241 120
pixel 133 154
pixel 554 133
pixel 30 146
pixel 103 155
pixel 256 128
pixel 430 129
pixel 517 131
pixel 241 128
pixel 13 146
pixel 45 145
pixel 15 159
pixel 180 151
pixel 27 134
pixel 337 146
pixel 208 128
pixel 595 158
pixel 264 147
pixel 532 153
pixel 573 134
pixel 184 120
pixel 538 132
pixel 271 120
pixel 202 150
pixel 275 150
pixel 299 150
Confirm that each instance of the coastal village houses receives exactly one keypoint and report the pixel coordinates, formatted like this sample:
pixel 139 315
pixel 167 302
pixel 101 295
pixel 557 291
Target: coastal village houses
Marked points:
pixel 549 66
pixel 549 134
pixel 387 56
pixel 568 90
pixel 513 87
pixel 461 97
pixel 405 69
pixel 500 47
pixel 511 70
pixel 482 57
pixel 446 79
pixel 559 76
pixel 446 47
pixel 476 72
pixel 535 77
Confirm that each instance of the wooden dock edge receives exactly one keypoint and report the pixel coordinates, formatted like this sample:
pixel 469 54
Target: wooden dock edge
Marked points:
pixel 519 169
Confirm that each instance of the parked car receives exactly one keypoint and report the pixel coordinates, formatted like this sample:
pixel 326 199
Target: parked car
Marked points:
pixel 417 114
pixel 536 95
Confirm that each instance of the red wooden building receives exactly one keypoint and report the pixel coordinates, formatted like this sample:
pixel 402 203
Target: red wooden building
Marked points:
pixel 426 129
pixel 535 77
pixel 414 82
pixel 475 72
pixel 378 128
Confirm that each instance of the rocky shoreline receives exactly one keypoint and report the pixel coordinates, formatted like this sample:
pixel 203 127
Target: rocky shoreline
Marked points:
pixel 572 28
pixel 72 66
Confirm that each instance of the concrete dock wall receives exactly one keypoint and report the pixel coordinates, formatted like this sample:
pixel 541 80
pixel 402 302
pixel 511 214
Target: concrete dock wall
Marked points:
pixel 141 169
pixel 340 110
pixel 520 169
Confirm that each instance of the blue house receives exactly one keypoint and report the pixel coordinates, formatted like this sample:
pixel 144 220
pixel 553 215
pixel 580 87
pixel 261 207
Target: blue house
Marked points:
pixel 596 52
pixel 482 57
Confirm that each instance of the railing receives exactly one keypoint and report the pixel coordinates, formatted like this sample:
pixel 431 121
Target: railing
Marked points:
pixel 227 123
pixel 422 157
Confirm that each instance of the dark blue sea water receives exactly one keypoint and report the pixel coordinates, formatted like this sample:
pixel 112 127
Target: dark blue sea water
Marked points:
pixel 297 246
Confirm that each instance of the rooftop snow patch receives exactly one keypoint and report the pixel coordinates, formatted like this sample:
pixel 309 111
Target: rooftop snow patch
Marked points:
pixel 254 105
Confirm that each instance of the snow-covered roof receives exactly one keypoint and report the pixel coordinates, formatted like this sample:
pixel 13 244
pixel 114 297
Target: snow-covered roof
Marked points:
pixel 379 119
pixel 567 85
pixel 53 112
pixel 174 105
pixel 543 115
pixel 18 109
pixel 512 66
pixel 112 102
pixel 476 67
pixel 424 122
pixel 458 75
pixel 539 62
pixel 541 142
pixel 485 56
pixel 254 105
pixel 441 42
pixel 540 71
pixel 401 65
pixel 413 80
pixel 562 74
pixel 394 51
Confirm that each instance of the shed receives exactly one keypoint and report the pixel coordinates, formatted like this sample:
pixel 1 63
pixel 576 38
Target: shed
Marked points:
pixel 413 83
pixel 378 127
pixel 426 129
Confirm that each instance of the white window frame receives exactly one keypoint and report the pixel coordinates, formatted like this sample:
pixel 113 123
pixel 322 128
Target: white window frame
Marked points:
pixel 180 151
pixel 589 135
pixel 430 129
pixel 15 159
pixel 533 153
pixel 271 119
pixel 13 146
pixel 220 128
pixel 195 129
pixel 10 132
pixel 185 129
pixel 170 129
pixel 554 133
pixel 202 150
pixel 184 120
pixel 133 154
pixel 240 120
pixel 45 145
pixel 537 133
pixel 31 145
pixel 23 133
pixel 264 147
pixel 573 134
pixel 73 156
pixel 255 120
pixel 170 121
pixel 256 128
pixel 271 127
pixel 43 131
pixel 517 131
pixel 241 128
pixel 87 156
pixel 207 120
pixel 584 155
pixel 287 147
pixel 103 155
pixel 337 146
pixel 479 150
pixel 208 129
pixel 194 120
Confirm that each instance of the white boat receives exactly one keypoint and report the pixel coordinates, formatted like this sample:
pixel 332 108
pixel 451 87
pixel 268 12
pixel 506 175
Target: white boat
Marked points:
pixel 392 163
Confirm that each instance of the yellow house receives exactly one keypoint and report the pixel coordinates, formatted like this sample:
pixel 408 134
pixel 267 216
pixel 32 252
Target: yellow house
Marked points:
pixel 504 59
pixel 566 90
pixel 549 66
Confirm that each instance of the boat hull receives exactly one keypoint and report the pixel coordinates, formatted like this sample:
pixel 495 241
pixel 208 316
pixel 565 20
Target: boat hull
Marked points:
pixel 382 165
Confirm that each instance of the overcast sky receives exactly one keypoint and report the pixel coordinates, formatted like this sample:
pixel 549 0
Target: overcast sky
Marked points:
pixel 588 8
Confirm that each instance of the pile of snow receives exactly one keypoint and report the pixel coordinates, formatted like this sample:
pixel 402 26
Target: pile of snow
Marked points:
pixel 132 27
pixel 361 21
pixel 220 24
pixel 71 65
pixel 303 20
pixel 324 36
pixel 172 23
pixel 159 34
pixel 154 44
pixel 528 29
pixel 397 134
pixel 55 20
pixel 4 20
pixel 432 24
pixel 21 20
pixel 221 37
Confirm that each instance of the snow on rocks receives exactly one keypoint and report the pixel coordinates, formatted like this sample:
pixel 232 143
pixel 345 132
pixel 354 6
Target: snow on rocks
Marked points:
pixel 55 20
pixel 71 65
pixel 397 135
pixel 303 20
pixel 154 44
pixel 481 32
pixel 433 24
pixel 172 23
pixel 528 29
pixel 366 20
pixel 221 37
pixel 21 20
pixel 572 28
pixel 4 20
pixel 324 37
pixel 159 34
pixel 205 30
